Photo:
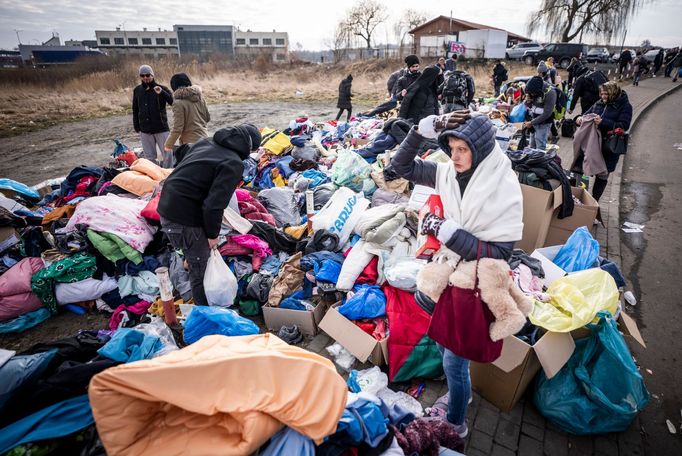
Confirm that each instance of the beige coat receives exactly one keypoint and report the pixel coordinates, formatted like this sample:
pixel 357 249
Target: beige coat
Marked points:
pixel 219 396
pixel 190 117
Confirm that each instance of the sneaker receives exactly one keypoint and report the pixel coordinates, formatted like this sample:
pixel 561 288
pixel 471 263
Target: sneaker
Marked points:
pixel 461 429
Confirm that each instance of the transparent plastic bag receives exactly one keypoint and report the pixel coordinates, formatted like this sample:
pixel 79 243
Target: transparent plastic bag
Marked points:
pixel 372 380
pixel 402 273
pixel 342 357
pixel 575 300
pixel 352 171
pixel 220 284
pixel 158 328
pixel 402 399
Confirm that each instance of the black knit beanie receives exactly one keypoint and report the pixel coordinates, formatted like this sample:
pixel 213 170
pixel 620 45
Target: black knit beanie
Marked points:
pixel 411 60
pixel 535 85
pixel 180 80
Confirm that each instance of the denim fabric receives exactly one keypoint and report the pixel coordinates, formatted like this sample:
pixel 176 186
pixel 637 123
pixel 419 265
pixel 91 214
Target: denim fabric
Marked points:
pixel 459 385
pixel 538 139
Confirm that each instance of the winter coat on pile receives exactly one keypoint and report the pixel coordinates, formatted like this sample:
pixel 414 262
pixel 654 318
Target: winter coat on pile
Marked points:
pixel 16 297
pixel 421 99
pixel 190 116
pixel 200 187
pixel 345 94
pixel 149 108
pixel 614 114
pixel 216 415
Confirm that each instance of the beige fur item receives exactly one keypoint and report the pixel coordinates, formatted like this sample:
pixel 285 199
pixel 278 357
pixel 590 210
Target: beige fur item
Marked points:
pixel 432 279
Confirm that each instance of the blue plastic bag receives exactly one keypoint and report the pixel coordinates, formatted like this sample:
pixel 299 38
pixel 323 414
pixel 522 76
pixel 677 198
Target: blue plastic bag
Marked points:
pixel 599 390
pixel 120 148
pixel 579 253
pixel 205 321
pixel 25 321
pixel 518 113
pixel 367 302
pixel 21 189
pixel 130 345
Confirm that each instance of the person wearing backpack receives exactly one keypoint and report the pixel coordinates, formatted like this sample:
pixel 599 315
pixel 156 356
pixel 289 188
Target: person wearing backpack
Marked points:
pixel 499 76
pixel 457 91
pixel 586 88
pixel 541 99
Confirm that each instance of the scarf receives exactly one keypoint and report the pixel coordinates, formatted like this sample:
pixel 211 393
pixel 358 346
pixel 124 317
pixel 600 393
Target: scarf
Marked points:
pixel 492 206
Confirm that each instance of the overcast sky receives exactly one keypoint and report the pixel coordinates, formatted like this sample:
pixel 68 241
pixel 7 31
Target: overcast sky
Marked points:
pixel 309 23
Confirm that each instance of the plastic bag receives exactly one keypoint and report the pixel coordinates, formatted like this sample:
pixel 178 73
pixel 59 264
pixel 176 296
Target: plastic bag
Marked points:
pixel 341 214
pixel 371 380
pixel 352 171
pixel 599 390
pixel 220 284
pixel 402 273
pixel 518 113
pixel 579 253
pixel 282 203
pixel 404 400
pixel 342 357
pixel 368 301
pixel 159 329
pixel 575 300
pixel 206 321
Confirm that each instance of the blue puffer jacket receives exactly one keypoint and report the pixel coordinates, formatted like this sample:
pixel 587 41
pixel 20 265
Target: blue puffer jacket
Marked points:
pixel 615 114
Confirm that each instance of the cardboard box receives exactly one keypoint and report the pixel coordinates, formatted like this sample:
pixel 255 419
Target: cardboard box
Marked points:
pixel 504 381
pixel 560 230
pixel 538 207
pixel 546 256
pixel 428 245
pixel 352 338
pixel 306 320
pixel 8 237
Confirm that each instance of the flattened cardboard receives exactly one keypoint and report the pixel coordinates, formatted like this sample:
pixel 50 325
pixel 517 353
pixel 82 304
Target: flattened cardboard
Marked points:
pixel 306 320
pixel 631 327
pixel 352 338
pixel 514 352
pixel 538 207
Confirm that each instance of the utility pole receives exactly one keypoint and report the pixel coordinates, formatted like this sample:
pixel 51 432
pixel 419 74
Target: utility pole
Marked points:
pixel 17 32
pixel 622 44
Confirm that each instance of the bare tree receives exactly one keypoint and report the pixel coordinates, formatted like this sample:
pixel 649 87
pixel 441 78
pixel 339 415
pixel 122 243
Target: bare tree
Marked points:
pixel 364 17
pixel 340 41
pixel 409 20
pixel 567 19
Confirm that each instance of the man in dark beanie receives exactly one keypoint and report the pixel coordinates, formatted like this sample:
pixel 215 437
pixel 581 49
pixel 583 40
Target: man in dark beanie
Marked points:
pixel 197 192
pixel 413 73
pixel 149 113
pixel 540 101
pixel 190 116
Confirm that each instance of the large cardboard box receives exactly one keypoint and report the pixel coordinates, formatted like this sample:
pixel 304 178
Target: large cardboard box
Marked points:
pixel 583 215
pixel 538 207
pixel 360 344
pixel 504 381
pixel 306 320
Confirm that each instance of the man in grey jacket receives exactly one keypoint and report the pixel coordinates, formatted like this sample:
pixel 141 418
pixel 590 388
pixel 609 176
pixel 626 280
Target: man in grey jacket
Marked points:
pixel 540 100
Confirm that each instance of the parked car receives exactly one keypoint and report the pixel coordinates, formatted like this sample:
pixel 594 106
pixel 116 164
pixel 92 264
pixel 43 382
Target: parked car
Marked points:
pixel 516 52
pixel 597 55
pixel 616 56
pixel 562 53
pixel 651 55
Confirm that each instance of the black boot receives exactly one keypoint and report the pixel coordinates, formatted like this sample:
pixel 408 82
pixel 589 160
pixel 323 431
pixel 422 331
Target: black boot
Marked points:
pixel 599 187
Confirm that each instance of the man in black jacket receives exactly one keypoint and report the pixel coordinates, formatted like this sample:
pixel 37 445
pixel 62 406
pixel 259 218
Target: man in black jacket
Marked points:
pixel 499 76
pixel 149 113
pixel 586 88
pixel 413 73
pixel 197 192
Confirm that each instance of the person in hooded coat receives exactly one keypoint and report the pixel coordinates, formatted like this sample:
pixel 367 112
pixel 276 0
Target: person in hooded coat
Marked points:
pixel 421 99
pixel 482 205
pixel 197 192
pixel 614 111
pixel 345 96
pixel 190 116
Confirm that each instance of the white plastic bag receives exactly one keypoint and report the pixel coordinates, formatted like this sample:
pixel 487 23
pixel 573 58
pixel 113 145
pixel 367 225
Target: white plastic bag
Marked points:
pixel 220 285
pixel 372 380
pixel 341 213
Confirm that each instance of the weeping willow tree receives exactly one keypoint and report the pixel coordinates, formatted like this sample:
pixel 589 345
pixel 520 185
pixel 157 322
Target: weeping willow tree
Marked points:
pixel 564 20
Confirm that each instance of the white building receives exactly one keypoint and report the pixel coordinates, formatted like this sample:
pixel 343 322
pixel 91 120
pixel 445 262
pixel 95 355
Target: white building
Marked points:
pixel 273 45
pixel 147 43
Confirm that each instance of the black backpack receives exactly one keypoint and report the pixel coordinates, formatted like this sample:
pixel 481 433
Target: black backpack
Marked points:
pixel 456 87
pixel 596 78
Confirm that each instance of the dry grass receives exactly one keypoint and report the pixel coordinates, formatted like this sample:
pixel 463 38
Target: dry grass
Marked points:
pixel 38 98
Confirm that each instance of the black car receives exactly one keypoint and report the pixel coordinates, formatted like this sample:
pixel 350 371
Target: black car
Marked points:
pixel 562 53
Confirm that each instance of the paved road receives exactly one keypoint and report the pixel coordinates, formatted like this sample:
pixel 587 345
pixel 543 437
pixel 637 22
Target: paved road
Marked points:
pixel 652 261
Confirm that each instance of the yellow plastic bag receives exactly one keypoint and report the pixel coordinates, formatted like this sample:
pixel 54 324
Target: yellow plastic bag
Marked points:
pixel 575 301
pixel 275 141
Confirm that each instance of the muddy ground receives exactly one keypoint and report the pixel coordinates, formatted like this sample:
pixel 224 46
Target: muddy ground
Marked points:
pixel 33 157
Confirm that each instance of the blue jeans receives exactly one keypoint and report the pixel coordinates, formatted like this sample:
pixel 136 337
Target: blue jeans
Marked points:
pixel 538 139
pixel 459 385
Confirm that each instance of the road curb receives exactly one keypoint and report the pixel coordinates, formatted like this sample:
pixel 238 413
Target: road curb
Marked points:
pixel 614 222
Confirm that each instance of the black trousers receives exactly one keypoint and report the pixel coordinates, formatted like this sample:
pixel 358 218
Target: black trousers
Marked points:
pixel 338 116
